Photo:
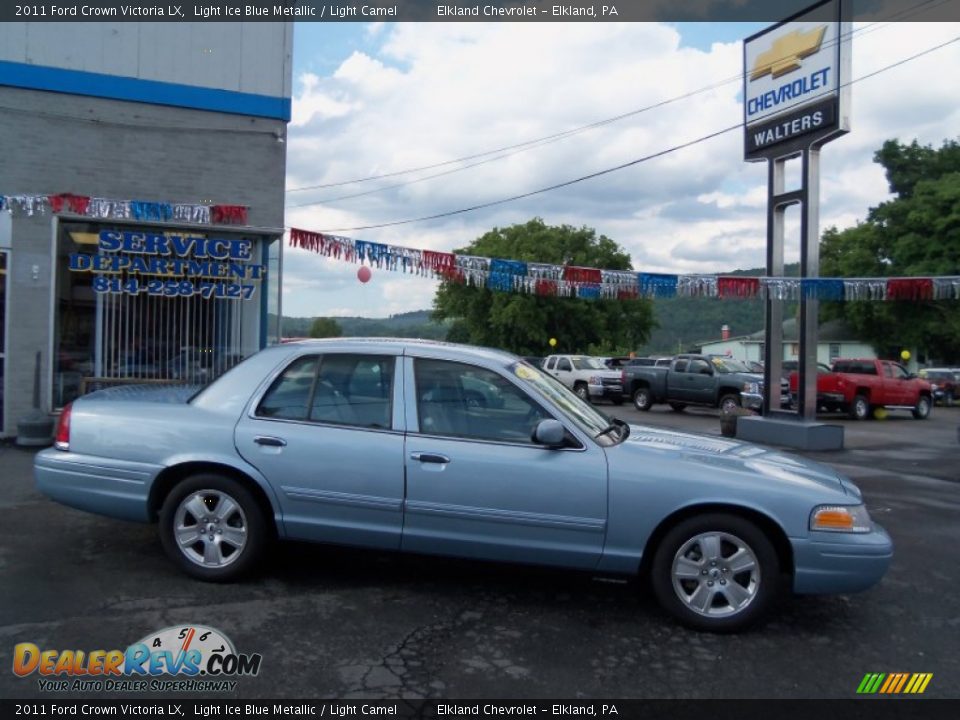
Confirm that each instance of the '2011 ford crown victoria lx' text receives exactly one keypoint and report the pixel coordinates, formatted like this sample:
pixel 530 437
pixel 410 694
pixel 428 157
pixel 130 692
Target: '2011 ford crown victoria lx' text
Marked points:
pixel 447 449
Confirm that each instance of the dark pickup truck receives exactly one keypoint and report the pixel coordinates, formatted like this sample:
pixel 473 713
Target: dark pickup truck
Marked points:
pixel 695 380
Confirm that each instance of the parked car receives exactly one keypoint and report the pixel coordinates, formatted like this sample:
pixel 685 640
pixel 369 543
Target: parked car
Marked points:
pixel 716 381
pixel 371 442
pixel 651 361
pixel 943 384
pixel 860 386
pixel 615 363
pixel 587 376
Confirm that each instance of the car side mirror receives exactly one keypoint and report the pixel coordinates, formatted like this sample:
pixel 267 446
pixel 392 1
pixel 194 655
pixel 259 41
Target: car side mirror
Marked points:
pixel 550 432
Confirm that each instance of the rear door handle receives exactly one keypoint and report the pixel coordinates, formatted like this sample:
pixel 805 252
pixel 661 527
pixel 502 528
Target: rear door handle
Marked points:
pixel 430 458
pixel 270 441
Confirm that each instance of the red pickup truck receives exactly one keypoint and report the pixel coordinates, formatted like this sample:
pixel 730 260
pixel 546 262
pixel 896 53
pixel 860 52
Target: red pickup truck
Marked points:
pixel 858 387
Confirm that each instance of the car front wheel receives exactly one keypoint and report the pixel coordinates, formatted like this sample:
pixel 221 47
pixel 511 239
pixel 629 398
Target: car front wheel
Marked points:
pixel 729 403
pixel 582 392
pixel 212 528
pixel 922 409
pixel 716 572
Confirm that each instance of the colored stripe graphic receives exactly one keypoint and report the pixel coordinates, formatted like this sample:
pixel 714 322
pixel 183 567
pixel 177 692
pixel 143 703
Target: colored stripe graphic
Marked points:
pixel 894 683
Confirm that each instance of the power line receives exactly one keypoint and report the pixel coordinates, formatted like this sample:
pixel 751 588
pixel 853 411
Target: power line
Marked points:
pixel 510 150
pixel 622 166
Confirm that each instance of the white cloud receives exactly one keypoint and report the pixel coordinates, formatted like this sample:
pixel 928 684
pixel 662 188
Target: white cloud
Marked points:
pixel 426 93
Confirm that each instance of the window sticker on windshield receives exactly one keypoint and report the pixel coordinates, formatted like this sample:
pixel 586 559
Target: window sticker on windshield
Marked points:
pixel 717 361
pixel 525 373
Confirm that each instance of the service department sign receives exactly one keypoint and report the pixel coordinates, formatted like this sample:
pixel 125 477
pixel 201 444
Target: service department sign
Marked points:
pixel 796 78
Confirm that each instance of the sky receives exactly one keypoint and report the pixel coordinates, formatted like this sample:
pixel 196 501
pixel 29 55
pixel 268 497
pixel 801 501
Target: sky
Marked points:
pixel 374 99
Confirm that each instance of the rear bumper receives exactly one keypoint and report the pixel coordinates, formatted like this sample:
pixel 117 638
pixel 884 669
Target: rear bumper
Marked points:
pixel 840 563
pixel 115 488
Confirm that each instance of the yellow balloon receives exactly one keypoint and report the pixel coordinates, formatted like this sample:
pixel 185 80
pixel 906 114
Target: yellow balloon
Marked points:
pixel 553 342
pixel 905 355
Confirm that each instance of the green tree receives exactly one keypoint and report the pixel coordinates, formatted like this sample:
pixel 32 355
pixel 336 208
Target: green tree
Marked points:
pixel 524 323
pixel 324 327
pixel 916 233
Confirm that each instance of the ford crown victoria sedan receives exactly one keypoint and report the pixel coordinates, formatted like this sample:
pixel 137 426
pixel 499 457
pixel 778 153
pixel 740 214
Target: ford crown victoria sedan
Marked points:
pixel 375 443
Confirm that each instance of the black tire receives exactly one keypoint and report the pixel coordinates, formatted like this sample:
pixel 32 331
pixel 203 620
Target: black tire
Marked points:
pixel 582 391
pixel 860 408
pixel 642 399
pixel 922 409
pixel 678 407
pixel 210 489
pixel 759 590
pixel 727 402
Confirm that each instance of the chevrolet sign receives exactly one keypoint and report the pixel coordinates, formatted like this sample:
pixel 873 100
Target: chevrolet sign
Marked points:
pixel 795 78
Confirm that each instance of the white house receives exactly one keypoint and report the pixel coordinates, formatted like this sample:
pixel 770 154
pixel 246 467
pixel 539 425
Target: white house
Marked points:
pixel 835 340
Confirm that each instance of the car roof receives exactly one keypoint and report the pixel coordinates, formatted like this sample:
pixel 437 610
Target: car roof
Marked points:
pixel 398 346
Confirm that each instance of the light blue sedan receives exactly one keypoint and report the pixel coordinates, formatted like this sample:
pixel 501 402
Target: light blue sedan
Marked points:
pixel 376 443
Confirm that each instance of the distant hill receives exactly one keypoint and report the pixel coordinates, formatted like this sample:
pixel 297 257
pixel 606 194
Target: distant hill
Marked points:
pixel 416 324
pixel 684 322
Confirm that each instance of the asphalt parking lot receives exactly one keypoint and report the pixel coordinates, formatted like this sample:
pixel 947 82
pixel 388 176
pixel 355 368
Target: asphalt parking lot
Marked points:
pixel 355 624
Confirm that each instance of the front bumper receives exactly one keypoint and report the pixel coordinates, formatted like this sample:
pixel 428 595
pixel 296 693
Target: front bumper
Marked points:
pixel 605 391
pixel 828 563
pixel 116 488
pixel 751 401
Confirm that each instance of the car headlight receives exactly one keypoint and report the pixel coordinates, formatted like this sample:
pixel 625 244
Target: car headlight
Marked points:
pixel 752 387
pixel 595 380
pixel 840 518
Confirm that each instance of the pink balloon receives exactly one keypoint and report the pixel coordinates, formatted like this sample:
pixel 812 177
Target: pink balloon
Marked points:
pixel 364 274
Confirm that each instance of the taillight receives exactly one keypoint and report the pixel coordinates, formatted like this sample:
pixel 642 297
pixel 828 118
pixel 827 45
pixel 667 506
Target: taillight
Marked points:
pixel 62 440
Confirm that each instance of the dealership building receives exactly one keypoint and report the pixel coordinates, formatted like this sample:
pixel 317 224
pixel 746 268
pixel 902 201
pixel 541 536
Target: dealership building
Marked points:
pixel 141 203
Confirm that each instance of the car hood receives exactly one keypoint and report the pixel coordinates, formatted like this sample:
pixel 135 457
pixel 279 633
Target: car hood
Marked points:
pixel 763 463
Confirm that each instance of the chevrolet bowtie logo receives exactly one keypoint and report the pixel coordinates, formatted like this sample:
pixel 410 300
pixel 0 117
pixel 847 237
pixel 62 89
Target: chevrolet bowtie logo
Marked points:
pixel 785 54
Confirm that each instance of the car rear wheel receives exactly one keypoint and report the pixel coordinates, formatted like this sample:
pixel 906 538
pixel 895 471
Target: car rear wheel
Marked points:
pixel 860 408
pixel 642 399
pixel 212 528
pixel 716 572
pixel 922 409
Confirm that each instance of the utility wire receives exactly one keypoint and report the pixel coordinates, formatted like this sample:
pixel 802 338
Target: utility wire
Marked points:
pixel 510 150
pixel 631 163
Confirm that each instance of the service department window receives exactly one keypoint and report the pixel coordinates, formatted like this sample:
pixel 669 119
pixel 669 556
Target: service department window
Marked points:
pixel 137 304
pixel 472 402
pixel 834 351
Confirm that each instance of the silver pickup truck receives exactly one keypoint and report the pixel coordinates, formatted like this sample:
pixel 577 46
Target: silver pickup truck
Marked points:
pixel 587 376
pixel 695 380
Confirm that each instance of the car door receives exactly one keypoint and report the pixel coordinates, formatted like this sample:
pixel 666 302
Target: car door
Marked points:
pixel 477 484
pixel 563 371
pixel 678 381
pixel 701 385
pixel 328 436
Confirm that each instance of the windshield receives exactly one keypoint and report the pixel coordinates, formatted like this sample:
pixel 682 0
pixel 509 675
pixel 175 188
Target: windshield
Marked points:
pixel 581 413
pixel 587 363
pixel 729 365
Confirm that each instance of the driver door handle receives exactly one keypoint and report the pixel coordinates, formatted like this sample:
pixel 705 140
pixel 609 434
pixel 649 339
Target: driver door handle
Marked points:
pixel 430 458
pixel 269 441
